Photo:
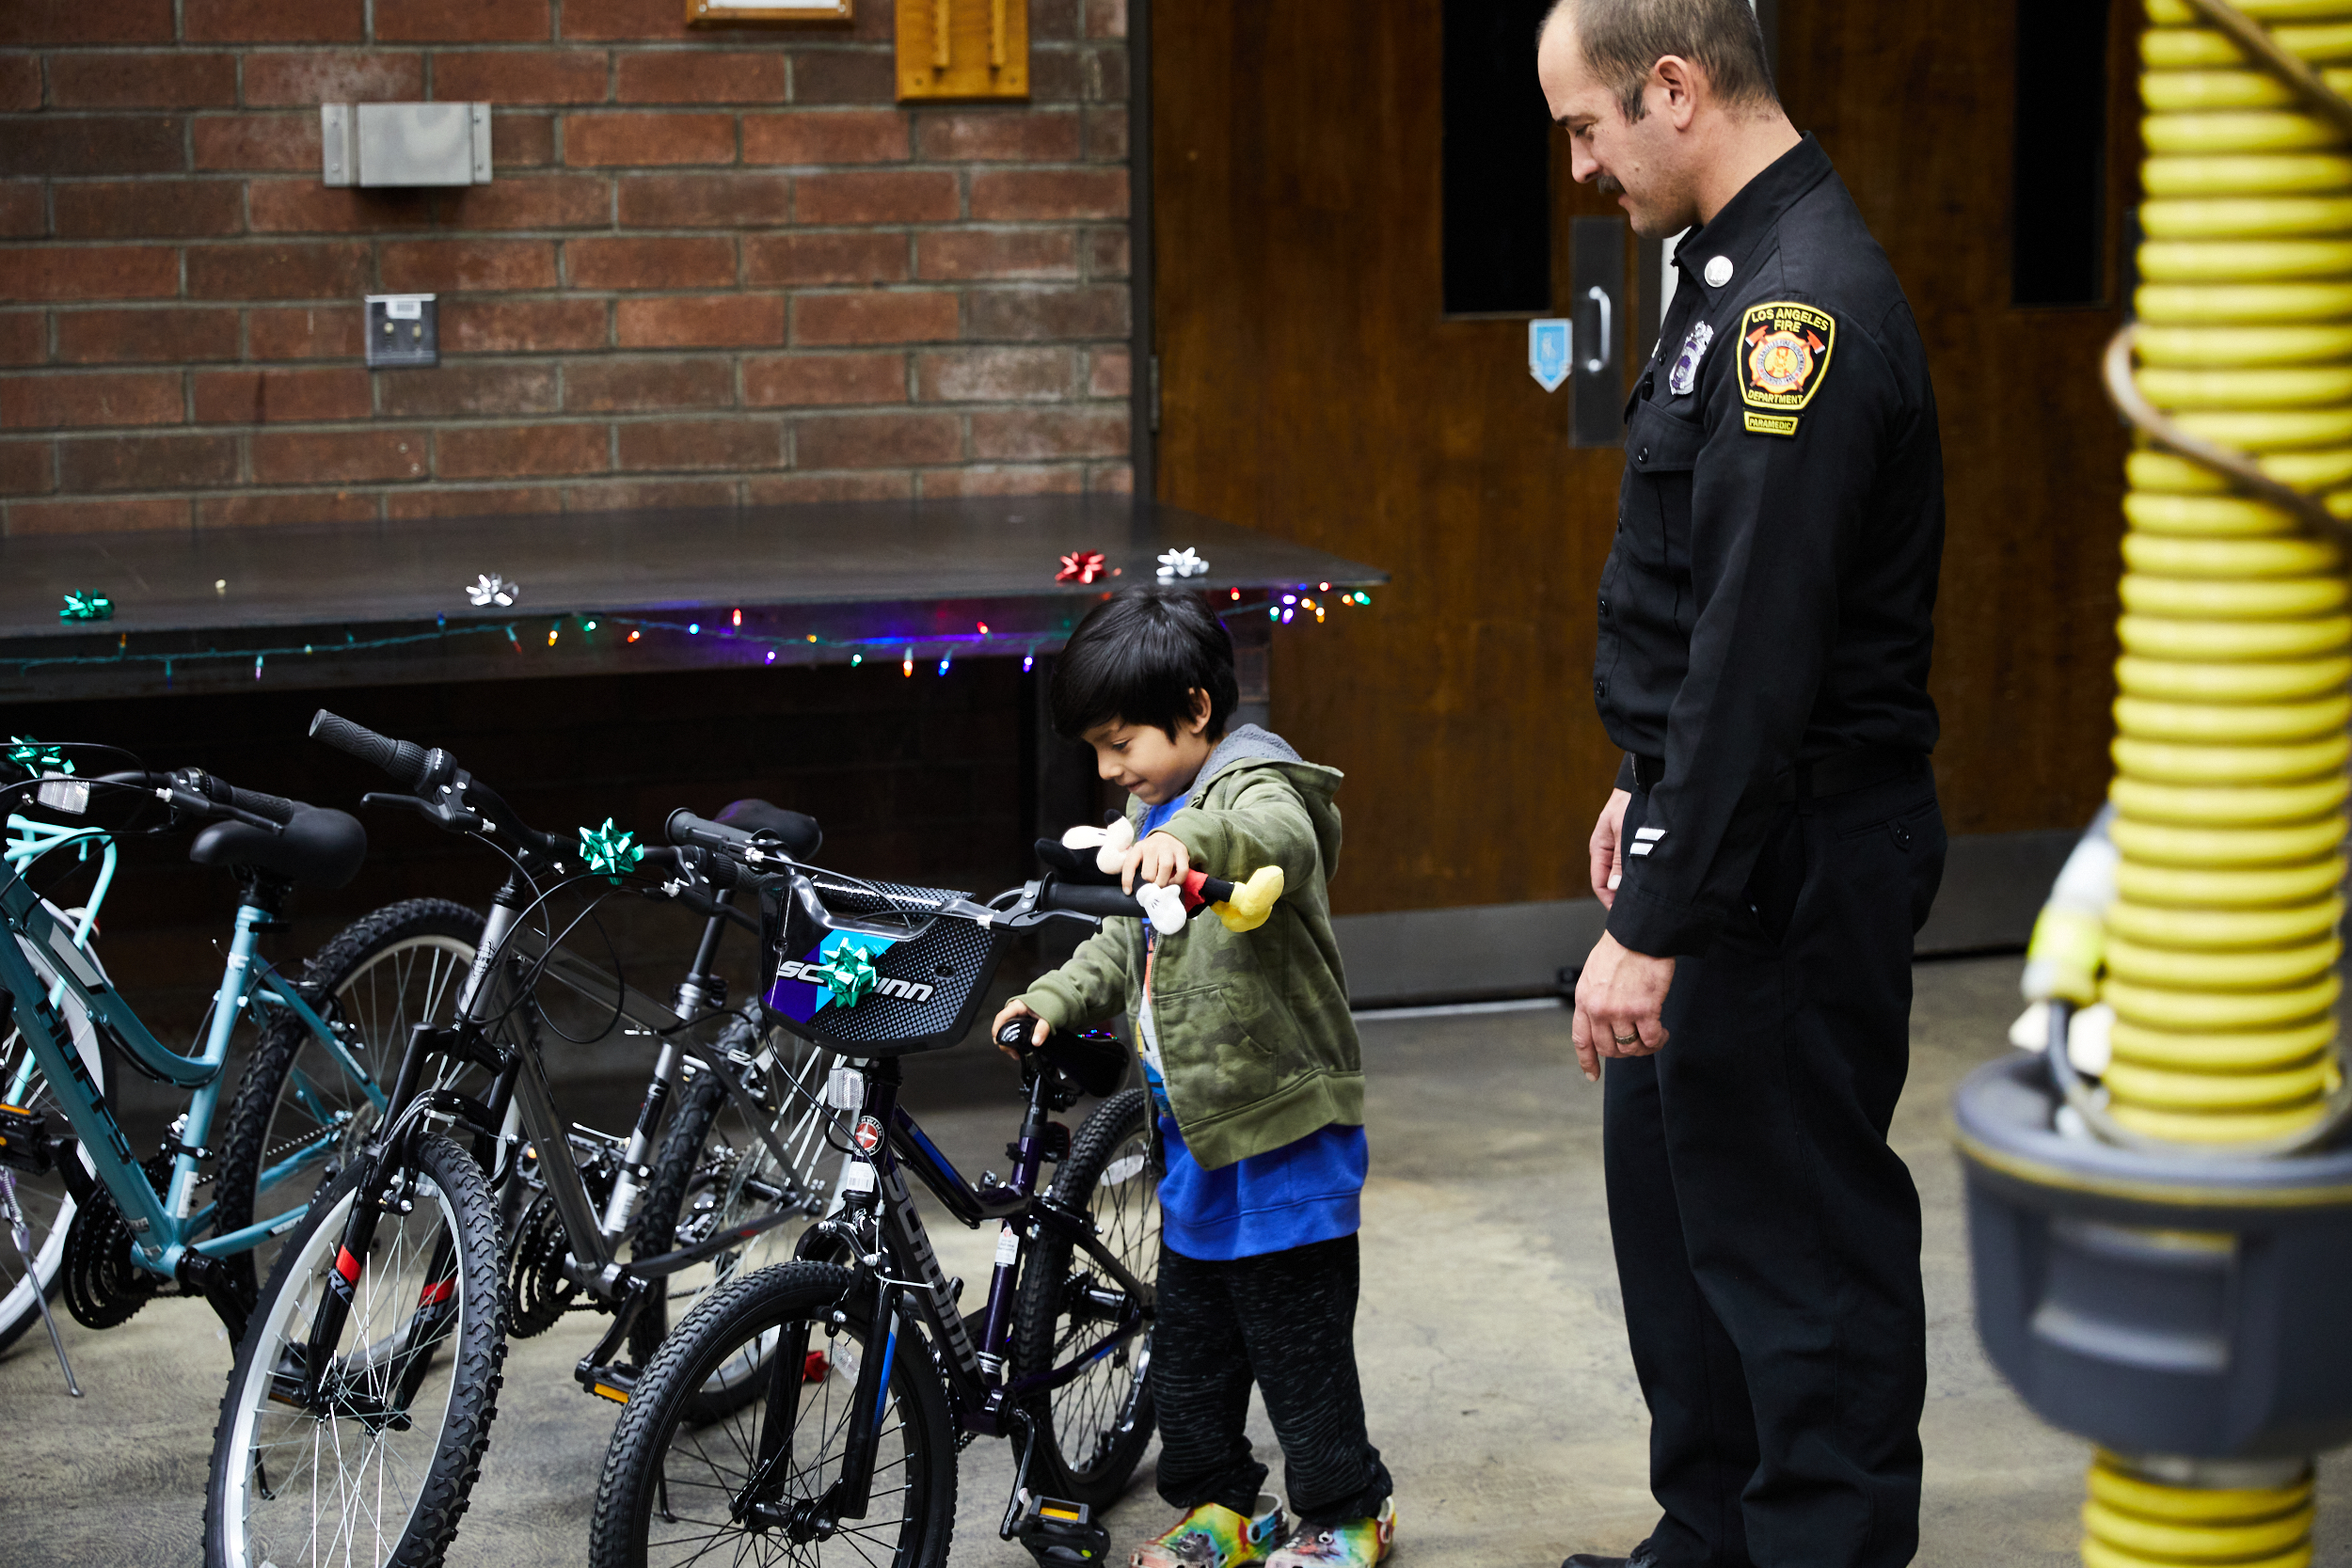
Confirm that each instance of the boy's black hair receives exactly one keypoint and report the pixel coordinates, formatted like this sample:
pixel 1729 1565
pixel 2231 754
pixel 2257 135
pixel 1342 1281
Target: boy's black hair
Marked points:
pixel 1138 657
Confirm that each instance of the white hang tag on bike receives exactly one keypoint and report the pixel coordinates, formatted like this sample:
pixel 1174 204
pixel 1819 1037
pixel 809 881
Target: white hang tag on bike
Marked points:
pixel 859 1178
pixel 845 1090
pixel 1008 1245
pixel 1120 1172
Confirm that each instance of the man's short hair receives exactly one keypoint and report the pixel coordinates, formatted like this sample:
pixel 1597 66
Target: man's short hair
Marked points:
pixel 1138 657
pixel 1622 39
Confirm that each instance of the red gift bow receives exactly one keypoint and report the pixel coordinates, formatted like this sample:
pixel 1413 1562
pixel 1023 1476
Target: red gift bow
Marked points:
pixel 1080 566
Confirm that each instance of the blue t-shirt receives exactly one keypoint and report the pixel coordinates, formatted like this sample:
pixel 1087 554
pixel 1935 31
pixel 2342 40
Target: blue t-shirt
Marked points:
pixel 1304 1191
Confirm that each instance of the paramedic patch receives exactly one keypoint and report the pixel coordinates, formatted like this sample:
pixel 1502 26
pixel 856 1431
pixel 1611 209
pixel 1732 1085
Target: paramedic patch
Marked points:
pixel 1784 349
pixel 1684 373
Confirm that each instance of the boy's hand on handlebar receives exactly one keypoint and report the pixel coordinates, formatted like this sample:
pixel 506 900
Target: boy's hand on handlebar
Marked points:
pixel 1016 1008
pixel 1161 859
pixel 1608 850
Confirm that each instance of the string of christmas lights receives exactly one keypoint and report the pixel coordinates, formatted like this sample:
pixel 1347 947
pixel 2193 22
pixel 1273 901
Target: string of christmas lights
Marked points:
pixel 1286 608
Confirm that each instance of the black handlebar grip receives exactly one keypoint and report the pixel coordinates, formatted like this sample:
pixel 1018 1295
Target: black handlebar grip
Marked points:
pixel 1080 899
pixel 276 808
pixel 1015 1034
pixel 404 760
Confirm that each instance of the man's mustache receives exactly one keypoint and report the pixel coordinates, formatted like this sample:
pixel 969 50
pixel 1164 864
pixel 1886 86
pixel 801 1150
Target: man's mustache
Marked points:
pixel 1609 185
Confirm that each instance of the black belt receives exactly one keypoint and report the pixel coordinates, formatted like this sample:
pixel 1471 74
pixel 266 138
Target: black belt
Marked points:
pixel 1838 774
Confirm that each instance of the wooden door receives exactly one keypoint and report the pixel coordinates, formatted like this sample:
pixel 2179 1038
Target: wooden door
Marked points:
pixel 1311 386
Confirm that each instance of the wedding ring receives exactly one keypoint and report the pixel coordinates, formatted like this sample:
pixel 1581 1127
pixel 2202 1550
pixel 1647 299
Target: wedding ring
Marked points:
pixel 1634 1038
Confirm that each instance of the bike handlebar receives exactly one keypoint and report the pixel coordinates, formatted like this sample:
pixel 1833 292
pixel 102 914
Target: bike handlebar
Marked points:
pixel 222 793
pixel 1081 898
pixel 409 763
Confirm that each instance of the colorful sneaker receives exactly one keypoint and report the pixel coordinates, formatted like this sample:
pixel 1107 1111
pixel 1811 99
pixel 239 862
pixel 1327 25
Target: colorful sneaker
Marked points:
pixel 1214 1536
pixel 1358 1544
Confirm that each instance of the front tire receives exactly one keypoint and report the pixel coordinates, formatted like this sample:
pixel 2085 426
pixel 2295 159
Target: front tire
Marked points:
pixel 379 1475
pixel 1093 1429
pixel 668 1494
pixel 298 1118
pixel 48 1207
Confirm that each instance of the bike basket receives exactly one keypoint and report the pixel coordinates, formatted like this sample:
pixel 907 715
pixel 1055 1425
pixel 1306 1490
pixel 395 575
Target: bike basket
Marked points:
pixel 929 971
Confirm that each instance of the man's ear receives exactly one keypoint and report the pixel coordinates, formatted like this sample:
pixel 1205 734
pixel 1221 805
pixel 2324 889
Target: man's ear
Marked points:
pixel 1680 82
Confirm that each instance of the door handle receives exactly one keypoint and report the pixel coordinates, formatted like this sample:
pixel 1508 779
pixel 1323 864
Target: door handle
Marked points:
pixel 1600 362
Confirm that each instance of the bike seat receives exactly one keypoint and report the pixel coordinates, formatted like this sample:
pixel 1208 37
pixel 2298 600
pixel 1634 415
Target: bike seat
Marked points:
pixel 319 848
pixel 800 835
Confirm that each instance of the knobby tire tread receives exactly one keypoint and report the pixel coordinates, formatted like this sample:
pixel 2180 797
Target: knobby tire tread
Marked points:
pixel 705 1337
pixel 478 1373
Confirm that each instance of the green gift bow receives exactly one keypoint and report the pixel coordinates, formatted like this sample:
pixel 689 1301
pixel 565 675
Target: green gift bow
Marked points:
pixel 86 606
pixel 608 850
pixel 849 974
pixel 34 757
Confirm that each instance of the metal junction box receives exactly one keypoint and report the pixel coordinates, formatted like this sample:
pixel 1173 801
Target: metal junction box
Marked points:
pixel 405 144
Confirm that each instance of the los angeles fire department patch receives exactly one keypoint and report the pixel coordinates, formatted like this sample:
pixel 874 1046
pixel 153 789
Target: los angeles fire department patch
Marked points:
pixel 1784 349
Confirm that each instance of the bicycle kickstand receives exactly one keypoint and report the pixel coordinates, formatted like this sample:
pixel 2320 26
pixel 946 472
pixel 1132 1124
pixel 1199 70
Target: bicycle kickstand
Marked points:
pixel 21 1236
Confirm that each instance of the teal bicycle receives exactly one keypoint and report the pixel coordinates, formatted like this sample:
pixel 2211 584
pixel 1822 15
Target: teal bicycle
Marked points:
pixel 80 1213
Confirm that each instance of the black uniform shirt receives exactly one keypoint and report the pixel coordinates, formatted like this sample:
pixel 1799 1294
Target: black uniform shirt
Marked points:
pixel 1769 598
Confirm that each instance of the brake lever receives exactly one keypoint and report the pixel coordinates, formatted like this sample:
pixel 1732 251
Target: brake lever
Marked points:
pixel 205 810
pixel 454 819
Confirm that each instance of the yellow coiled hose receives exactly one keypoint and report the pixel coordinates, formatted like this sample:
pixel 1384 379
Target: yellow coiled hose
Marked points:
pixel 2132 1522
pixel 2231 792
pixel 2230 745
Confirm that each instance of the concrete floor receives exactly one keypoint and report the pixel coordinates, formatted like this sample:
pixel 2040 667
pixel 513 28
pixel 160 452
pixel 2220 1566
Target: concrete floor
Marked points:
pixel 1491 1338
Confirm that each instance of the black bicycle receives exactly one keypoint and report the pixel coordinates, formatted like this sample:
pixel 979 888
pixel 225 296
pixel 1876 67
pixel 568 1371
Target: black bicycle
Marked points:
pixel 364 1389
pixel 871 1376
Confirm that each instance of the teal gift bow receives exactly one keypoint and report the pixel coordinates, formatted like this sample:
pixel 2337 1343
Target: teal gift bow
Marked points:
pixel 608 850
pixel 86 606
pixel 849 974
pixel 34 757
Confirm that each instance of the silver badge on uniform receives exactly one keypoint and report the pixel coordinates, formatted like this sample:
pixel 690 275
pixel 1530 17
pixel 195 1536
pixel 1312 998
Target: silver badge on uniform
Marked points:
pixel 1684 373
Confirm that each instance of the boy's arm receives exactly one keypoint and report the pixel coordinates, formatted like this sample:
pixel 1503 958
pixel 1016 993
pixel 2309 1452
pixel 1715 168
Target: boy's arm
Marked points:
pixel 1089 987
pixel 1265 824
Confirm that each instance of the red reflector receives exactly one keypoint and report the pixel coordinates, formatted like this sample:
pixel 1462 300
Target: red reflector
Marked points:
pixel 346 1265
pixel 813 1369
pixel 433 1295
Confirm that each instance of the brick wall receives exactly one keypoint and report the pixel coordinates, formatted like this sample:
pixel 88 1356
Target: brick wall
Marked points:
pixel 712 267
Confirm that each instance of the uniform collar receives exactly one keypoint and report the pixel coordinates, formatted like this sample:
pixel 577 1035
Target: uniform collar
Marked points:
pixel 1743 221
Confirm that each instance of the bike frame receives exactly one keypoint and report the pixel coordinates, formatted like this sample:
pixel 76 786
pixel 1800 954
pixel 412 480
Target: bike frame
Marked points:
pixel 166 1229
pixel 980 1400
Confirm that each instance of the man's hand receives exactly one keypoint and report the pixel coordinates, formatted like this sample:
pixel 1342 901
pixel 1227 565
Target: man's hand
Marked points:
pixel 1011 1010
pixel 1607 849
pixel 1617 1002
pixel 1161 858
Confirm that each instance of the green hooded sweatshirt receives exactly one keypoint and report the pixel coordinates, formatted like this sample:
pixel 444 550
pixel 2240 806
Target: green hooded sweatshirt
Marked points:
pixel 1253 1027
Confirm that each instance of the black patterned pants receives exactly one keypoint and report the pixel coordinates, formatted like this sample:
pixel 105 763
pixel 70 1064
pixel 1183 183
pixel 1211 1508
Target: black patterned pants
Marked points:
pixel 1285 1320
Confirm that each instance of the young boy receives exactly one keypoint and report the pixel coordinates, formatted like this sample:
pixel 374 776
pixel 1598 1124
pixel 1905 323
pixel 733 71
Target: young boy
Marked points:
pixel 1258 1081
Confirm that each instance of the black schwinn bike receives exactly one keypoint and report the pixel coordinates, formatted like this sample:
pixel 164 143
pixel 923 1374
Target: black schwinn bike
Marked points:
pixel 841 1445
pixel 364 1387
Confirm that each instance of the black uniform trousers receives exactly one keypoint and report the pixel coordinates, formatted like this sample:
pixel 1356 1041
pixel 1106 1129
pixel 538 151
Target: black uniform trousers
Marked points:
pixel 1285 1320
pixel 1767 1237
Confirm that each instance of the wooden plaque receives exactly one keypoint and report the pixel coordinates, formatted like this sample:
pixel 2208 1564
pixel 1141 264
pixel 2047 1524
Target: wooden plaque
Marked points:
pixel 963 49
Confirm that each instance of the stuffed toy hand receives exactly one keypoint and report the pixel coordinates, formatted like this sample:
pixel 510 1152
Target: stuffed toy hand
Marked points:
pixel 1164 905
pixel 1110 844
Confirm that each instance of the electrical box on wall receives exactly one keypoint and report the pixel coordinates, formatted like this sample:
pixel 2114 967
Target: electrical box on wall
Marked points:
pixel 963 49
pixel 404 331
pixel 405 144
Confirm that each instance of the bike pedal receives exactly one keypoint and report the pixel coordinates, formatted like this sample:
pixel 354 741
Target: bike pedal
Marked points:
pixel 1060 1534
pixel 24 1140
pixel 617 1382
